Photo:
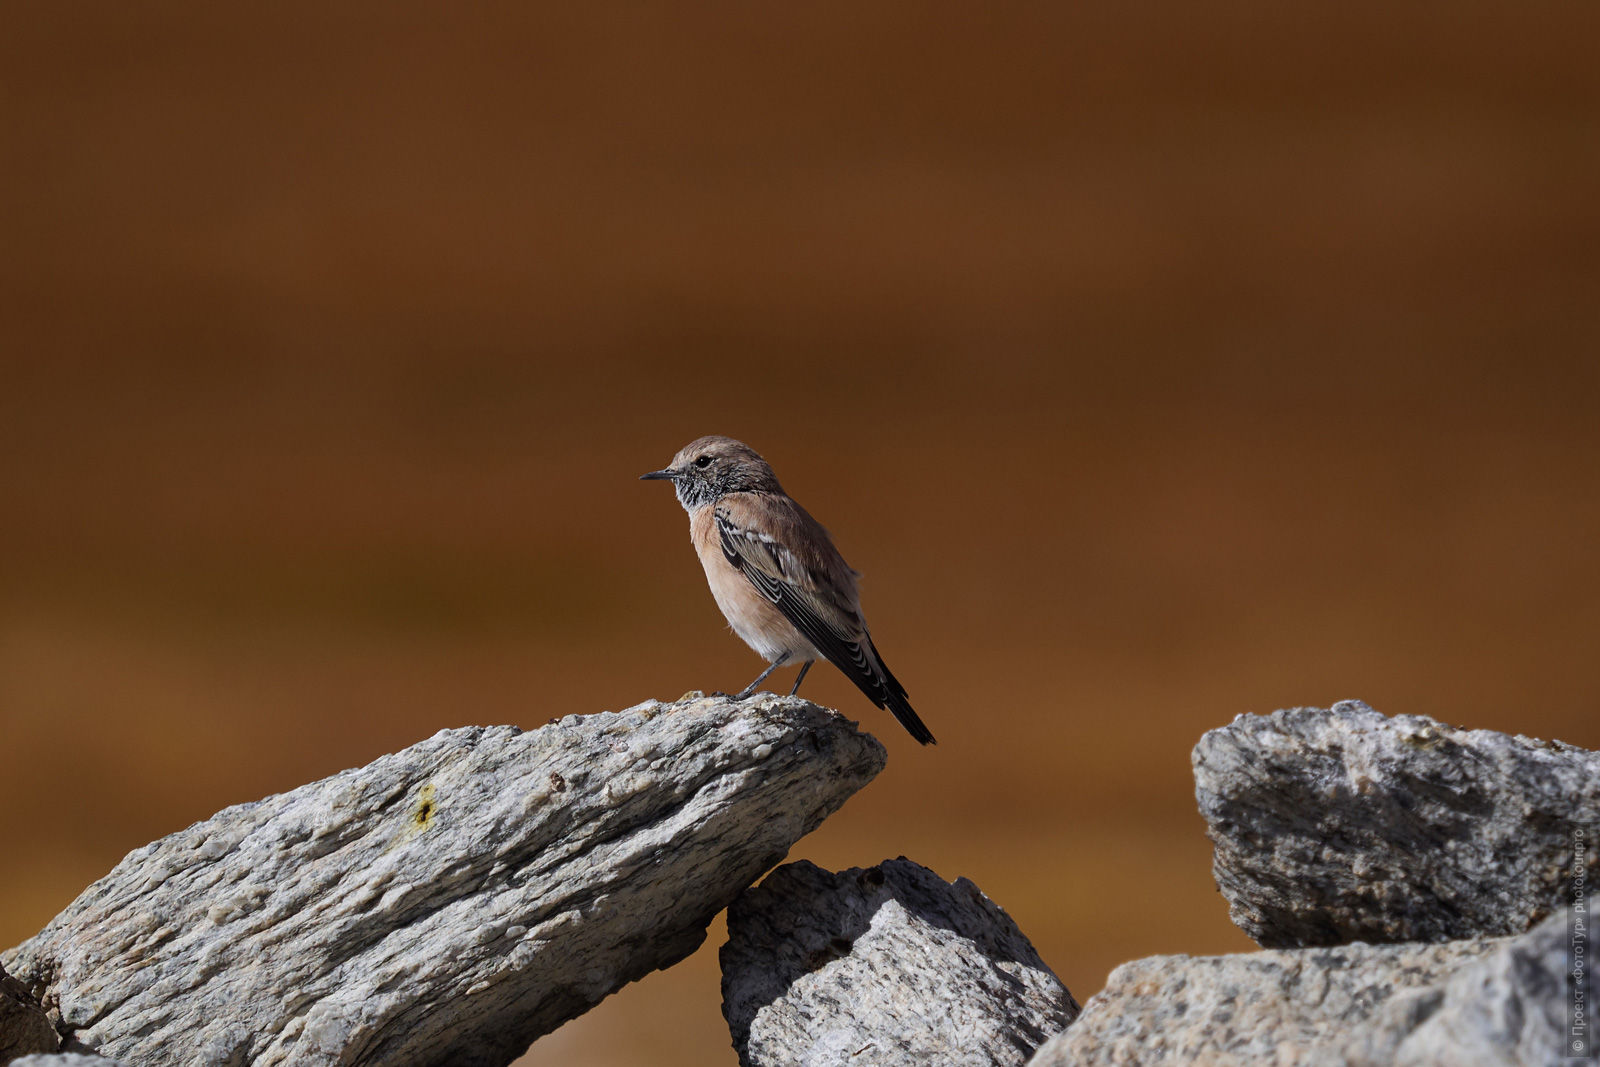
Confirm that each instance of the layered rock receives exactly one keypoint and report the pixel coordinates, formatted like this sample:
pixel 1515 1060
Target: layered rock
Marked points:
pixel 448 903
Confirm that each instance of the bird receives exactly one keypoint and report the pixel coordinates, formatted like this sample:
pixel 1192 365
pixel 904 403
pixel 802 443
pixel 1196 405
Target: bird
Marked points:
pixel 776 574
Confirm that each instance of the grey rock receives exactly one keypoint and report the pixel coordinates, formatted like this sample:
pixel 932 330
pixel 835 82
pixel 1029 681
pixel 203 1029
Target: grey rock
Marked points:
pixel 1278 1006
pixel 1505 1010
pixel 1342 824
pixel 24 1027
pixel 448 903
pixel 1488 1002
pixel 886 965
pixel 65 1059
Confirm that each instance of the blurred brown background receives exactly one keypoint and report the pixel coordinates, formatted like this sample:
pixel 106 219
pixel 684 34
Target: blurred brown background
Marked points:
pixel 1155 362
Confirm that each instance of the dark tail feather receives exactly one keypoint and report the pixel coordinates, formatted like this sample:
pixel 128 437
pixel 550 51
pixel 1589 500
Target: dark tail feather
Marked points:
pixel 891 694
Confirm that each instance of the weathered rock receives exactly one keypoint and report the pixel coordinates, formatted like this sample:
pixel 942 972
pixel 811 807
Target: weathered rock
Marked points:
pixel 1277 1006
pixel 65 1059
pixel 1490 1001
pixel 448 903
pixel 1344 825
pixel 887 965
pixel 1508 1009
pixel 24 1027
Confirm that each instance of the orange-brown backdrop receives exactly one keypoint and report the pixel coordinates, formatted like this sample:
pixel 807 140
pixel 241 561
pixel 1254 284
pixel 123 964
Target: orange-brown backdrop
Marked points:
pixel 1155 362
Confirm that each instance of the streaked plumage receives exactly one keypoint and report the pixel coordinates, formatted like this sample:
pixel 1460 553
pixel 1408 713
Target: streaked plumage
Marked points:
pixel 775 572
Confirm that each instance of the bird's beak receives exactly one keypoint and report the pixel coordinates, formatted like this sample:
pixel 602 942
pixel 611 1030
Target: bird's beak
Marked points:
pixel 663 476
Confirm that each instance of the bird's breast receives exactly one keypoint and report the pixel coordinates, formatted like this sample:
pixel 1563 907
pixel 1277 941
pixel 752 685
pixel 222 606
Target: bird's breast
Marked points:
pixel 753 617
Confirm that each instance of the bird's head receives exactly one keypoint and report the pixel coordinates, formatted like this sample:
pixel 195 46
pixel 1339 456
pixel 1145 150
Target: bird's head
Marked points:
pixel 712 467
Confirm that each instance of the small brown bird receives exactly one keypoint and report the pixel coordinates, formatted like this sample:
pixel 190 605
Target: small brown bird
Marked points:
pixel 775 573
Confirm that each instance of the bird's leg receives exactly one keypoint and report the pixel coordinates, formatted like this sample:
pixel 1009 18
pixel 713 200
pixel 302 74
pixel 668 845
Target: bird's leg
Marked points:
pixel 751 688
pixel 806 666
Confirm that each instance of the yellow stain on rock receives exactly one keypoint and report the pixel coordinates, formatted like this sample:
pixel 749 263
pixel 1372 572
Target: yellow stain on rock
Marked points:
pixel 423 811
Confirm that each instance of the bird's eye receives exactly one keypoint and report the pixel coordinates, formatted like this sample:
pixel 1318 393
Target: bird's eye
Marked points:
pixel 703 462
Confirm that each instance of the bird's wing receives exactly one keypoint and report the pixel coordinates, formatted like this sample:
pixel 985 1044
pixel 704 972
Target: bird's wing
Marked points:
pixel 789 558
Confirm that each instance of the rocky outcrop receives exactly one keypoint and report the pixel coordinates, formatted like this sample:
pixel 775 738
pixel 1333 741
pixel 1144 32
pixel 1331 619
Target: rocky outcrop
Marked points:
pixel 1245 1008
pixel 1508 1008
pixel 446 904
pixel 884 965
pixel 1342 824
pixel 451 902
pixel 1484 1001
